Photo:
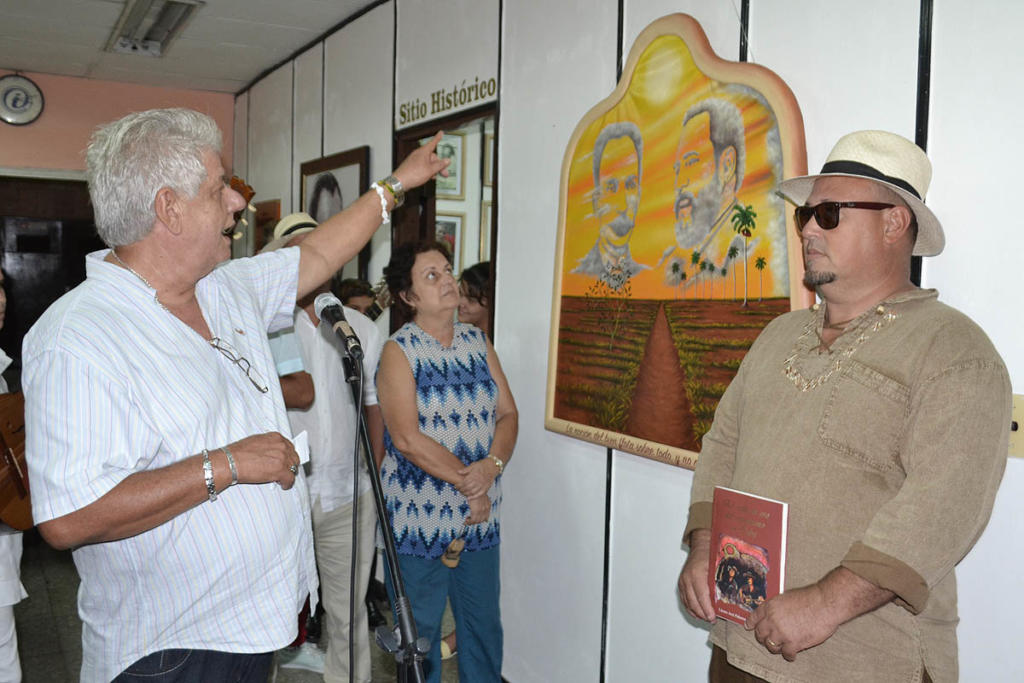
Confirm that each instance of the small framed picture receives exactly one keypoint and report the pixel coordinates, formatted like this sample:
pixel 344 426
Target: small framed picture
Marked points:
pixel 452 146
pixel 449 230
pixel 485 230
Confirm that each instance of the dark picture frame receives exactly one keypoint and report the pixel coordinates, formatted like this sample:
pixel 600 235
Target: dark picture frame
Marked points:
pixel 329 184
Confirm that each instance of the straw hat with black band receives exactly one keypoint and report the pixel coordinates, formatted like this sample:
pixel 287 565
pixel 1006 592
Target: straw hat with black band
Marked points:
pixel 288 227
pixel 890 160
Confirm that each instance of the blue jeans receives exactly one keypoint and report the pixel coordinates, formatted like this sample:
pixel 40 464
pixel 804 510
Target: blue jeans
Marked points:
pixel 474 588
pixel 188 666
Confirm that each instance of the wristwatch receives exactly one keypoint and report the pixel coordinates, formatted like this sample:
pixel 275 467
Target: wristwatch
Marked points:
pixel 394 186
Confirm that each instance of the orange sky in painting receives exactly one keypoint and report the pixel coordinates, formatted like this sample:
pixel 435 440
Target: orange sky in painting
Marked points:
pixel 664 84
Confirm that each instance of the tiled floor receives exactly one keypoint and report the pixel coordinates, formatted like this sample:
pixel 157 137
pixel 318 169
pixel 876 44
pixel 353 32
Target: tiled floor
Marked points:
pixel 50 633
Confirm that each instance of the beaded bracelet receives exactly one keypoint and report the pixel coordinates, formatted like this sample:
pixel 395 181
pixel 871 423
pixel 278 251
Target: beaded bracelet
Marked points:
pixel 211 488
pixel 231 464
pixel 385 217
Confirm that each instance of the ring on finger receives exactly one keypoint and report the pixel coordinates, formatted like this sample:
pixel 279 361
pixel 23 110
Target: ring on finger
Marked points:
pixel 771 643
pixel 294 469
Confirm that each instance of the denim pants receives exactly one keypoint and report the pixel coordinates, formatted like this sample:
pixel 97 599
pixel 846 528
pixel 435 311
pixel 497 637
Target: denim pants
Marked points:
pixel 474 588
pixel 208 666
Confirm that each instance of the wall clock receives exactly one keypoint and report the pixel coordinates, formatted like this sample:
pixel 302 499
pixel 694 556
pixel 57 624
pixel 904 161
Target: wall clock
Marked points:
pixel 21 100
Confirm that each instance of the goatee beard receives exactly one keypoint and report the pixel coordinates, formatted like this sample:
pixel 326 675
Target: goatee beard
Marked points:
pixel 816 278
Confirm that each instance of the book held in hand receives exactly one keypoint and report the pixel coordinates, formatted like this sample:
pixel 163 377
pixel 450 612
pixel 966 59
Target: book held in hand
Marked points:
pixel 748 552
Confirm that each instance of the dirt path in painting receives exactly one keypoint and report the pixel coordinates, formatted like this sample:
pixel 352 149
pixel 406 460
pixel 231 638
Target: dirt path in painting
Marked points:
pixel 660 410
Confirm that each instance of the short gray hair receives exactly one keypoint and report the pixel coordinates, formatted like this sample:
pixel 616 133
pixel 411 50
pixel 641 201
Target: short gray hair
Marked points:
pixel 129 160
pixel 726 130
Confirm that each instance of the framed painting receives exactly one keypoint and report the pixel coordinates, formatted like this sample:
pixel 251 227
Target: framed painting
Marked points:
pixel 672 249
pixel 449 230
pixel 329 184
pixel 452 146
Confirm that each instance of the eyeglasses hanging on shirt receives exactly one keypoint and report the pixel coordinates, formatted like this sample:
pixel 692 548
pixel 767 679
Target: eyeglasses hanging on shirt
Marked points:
pixel 241 361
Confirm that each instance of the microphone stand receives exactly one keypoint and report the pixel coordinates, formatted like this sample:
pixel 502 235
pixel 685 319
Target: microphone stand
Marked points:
pixel 408 649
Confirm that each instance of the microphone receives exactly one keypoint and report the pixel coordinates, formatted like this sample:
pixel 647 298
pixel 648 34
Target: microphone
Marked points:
pixel 328 308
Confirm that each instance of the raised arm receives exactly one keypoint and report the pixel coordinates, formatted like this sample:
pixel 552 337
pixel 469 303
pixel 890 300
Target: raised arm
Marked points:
pixel 339 238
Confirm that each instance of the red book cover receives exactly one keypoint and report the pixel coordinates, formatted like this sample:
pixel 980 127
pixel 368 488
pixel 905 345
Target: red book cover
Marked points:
pixel 748 552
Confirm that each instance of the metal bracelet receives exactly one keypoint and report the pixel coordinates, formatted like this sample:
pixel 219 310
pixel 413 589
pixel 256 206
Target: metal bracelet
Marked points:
pixel 231 464
pixel 211 488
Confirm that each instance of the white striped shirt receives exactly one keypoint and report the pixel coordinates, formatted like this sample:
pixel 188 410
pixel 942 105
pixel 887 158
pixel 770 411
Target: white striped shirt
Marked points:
pixel 115 384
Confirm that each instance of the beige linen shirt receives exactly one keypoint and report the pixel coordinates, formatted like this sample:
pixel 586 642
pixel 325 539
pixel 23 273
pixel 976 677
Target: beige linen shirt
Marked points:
pixel 889 448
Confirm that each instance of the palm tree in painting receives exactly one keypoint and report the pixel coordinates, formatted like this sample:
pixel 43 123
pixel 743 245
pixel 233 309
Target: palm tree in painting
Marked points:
pixel 723 272
pixel 677 276
pixel 734 251
pixel 760 262
pixel 743 224
pixel 695 262
pixel 704 268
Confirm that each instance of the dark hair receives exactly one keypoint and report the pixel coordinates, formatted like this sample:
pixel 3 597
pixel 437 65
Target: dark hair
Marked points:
pixel 477 279
pixel 352 287
pixel 398 272
pixel 325 182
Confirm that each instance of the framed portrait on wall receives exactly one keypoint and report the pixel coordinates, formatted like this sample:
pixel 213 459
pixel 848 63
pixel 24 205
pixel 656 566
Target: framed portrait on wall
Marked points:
pixel 452 146
pixel 449 230
pixel 655 306
pixel 329 184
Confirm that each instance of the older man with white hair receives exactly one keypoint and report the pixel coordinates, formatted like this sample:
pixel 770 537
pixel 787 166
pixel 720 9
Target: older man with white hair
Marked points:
pixel 157 440
pixel 882 417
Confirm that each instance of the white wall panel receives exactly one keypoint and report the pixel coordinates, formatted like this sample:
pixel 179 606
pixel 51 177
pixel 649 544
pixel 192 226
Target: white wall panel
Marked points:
pixel 553 514
pixel 720 21
pixel 270 138
pixel 357 102
pixel 975 144
pixel 307 133
pixel 446 49
pixel 650 636
pixel 852 64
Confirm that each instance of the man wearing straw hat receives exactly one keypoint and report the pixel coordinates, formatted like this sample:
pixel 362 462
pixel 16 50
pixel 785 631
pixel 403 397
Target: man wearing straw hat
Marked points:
pixel 881 416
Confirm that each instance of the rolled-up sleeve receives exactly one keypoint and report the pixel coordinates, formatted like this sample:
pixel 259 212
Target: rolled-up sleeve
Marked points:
pixel 954 453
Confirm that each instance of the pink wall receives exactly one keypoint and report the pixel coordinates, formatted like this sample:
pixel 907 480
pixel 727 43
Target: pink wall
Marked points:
pixel 75 106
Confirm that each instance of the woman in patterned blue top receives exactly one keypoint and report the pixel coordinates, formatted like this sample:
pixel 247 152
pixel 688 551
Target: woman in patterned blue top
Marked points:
pixel 450 426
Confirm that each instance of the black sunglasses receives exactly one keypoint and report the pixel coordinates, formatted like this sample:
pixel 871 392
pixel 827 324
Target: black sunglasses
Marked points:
pixel 827 213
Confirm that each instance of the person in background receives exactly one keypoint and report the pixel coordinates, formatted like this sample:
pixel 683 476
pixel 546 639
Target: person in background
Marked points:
pixel 329 418
pixel 450 427
pixel 359 295
pixel 11 590
pixel 355 293
pixel 474 290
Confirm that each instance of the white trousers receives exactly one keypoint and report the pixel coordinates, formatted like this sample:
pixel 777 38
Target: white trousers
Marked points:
pixel 332 534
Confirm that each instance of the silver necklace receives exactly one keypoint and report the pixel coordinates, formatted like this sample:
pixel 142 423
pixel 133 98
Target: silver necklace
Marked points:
pixel 144 280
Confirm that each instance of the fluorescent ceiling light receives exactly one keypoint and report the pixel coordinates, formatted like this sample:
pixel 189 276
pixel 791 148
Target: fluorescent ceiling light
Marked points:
pixel 148 27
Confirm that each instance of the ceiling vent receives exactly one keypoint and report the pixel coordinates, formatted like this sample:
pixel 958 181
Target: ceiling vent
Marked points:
pixel 148 27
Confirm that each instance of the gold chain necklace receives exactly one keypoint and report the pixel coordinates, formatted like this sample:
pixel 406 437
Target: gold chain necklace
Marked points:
pixel 804 384
pixel 144 280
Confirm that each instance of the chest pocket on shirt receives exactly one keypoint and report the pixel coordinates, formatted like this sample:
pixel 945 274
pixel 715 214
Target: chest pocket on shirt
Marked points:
pixel 865 416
